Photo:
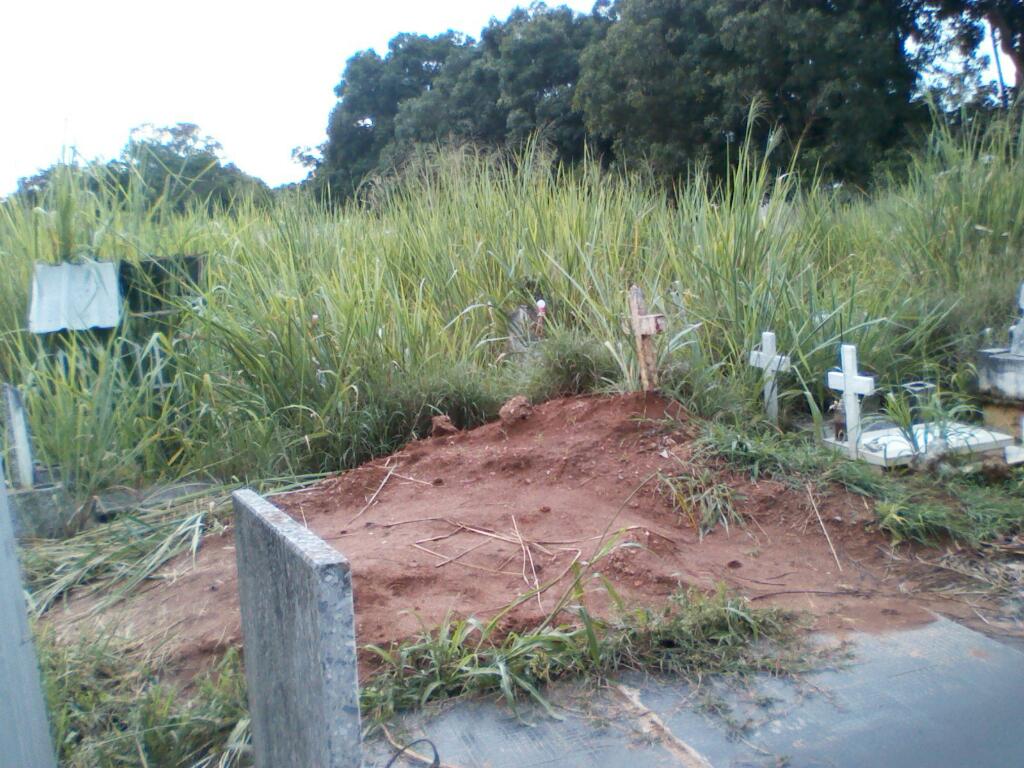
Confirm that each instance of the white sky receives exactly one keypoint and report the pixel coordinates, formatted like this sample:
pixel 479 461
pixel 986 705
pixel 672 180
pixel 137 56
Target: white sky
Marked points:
pixel 258 76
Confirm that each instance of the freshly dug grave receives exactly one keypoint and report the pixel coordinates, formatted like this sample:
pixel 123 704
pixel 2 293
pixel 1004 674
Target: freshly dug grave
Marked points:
pixel 463 523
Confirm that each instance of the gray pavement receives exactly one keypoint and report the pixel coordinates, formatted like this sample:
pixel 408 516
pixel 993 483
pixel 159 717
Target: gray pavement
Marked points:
pixel 939 696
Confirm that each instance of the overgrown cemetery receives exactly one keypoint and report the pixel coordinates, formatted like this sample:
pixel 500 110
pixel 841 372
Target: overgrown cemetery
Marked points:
pixel 512 467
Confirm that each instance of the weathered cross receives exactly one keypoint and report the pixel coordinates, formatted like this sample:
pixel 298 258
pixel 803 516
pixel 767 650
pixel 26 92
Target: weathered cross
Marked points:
pixel 644 327
pixel 765 357
pixel 18 438
pixel 853 386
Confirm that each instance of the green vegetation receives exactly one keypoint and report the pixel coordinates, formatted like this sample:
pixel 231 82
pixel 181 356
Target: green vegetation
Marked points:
pixel 925 508
pixel 108 708
pixel 704 501
pixel 695 635
pixel 321 337
pixel 666 85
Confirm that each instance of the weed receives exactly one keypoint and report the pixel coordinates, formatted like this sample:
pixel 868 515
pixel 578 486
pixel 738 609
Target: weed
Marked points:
pixel 918 507
pixel 107 708
pixel 704 501
pixel 696 635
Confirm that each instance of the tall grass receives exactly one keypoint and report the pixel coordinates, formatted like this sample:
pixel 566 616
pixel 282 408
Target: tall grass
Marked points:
pixel 324 336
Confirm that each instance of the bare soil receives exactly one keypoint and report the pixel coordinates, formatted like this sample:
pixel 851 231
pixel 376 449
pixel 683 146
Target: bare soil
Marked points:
pixel 464 523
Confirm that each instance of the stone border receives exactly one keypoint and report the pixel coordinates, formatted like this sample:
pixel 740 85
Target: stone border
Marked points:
pixel 298 629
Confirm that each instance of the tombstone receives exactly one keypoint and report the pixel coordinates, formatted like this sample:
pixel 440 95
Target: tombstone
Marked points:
pixel 19 439
pixel 1001 379
pixel 773 364
pixel 38 509
pixel 526 326
pixel 298 630
pixel 645 326
pixel 853 386
pixel 24 727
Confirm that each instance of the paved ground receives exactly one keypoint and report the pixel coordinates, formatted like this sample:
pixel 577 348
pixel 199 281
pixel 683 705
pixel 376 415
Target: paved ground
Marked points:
pixel 941 696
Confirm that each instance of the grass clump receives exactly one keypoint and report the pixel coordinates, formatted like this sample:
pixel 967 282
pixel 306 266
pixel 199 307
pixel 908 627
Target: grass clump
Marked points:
pixel 704 501
pixel 107 709
pixel 695 635
pixel 922 507
pixel 566 363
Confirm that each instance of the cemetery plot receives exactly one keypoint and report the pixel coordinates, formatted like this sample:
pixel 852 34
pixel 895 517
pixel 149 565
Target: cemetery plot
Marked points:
pixel 895 447
pixel 466 522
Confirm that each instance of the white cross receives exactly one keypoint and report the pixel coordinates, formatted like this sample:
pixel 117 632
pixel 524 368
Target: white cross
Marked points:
pixel 852 385
pixel 772 363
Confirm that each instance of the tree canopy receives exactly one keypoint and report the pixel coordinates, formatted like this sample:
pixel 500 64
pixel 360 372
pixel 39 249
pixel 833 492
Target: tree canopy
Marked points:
pixel 175 166
pixel 668 82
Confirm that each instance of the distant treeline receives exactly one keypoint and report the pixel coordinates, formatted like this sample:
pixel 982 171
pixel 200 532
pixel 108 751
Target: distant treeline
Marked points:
pixel 837 88
pixel 670 83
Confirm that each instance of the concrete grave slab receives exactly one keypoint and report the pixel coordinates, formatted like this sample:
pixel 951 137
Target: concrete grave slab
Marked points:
pixel 889 446
pixel 298 631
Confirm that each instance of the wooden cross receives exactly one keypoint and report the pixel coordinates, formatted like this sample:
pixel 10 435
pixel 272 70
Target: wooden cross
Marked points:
pixel 765 357
pixel 644 327
pixel 19 439
pixel 852 385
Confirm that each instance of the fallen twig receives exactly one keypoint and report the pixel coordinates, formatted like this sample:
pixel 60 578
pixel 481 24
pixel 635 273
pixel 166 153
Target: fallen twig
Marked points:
pixel 464 565
pixel 528 556
pixel 824 530
pixel 462 554
pixel 375 495
pixel 839 593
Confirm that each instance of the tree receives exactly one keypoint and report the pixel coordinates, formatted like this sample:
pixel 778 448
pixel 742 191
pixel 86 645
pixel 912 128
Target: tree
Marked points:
pixel 966 16
pixel 175 166
pixel 673 81
pixel 362 124
pixel 520 78
pixel 178 165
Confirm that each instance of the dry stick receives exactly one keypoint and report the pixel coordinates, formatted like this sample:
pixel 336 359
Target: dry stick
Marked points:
pixel 500 537
pixel 823 529
pixel 840 593
pixel 412 479
pixel 464 565
pixel 463 553
pixel 533 569
pixel 415 520
pixel 375 495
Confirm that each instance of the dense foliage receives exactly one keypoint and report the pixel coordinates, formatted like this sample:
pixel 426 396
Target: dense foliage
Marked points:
pixel 324 335
pixel 671 83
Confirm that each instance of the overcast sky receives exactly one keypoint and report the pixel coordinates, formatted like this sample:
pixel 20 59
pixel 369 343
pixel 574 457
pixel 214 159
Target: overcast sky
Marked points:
pixel 257 76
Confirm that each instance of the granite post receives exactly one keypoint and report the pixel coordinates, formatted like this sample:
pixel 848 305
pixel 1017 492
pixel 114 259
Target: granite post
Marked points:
pixel 24 727
pixel 298 630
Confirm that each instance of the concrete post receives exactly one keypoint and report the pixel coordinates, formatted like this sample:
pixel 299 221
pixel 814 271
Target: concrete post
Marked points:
pixel 24 728
pixel 298 629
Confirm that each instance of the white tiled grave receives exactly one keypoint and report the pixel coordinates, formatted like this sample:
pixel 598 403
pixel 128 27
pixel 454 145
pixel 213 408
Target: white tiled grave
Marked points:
pixel 888 447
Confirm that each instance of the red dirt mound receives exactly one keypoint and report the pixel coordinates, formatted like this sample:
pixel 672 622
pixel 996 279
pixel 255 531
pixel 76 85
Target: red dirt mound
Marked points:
pixel 466 522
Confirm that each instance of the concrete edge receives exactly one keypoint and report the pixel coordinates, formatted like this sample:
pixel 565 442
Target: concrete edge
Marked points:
pixel 301 540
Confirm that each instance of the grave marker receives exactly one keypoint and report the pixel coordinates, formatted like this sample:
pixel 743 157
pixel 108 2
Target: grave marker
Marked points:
pixel 644 327
pixel 19 439
pixel 853 385
pixel 24 728
pixel 773 364
pixel 298 630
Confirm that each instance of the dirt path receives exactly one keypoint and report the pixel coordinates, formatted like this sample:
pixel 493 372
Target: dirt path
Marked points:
pixel 465 523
